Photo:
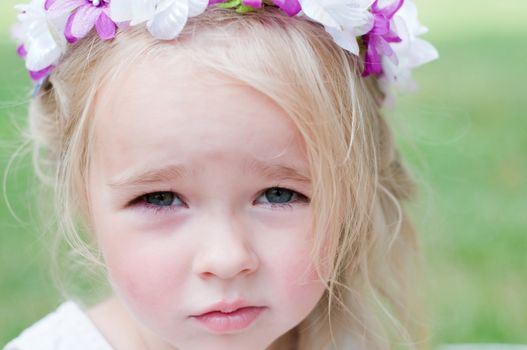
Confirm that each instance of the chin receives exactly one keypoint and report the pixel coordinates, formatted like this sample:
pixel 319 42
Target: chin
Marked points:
pixel 224 343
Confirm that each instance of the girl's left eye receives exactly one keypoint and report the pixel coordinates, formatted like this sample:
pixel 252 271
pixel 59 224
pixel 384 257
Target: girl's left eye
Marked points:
pixel 279 197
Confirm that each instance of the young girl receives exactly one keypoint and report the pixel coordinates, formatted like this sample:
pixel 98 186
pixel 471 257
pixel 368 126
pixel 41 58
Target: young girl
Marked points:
pixel 231 169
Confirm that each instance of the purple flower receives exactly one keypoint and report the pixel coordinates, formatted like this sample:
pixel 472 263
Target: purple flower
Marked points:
pixel 379 38
pixel 85 15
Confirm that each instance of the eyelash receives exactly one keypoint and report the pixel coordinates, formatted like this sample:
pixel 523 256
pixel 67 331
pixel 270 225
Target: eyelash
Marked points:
pixel 156 209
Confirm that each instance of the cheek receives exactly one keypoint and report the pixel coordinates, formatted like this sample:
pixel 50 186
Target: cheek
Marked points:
pixel 299 274
pixel 147 276
pixel 143 267
pixel 297 286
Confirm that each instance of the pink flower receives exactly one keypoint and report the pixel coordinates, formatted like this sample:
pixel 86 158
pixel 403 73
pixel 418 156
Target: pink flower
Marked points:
pixel 378 40
pixel 85 14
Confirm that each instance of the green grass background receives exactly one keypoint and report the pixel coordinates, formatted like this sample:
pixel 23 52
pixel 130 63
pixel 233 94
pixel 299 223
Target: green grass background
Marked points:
pixel 464 135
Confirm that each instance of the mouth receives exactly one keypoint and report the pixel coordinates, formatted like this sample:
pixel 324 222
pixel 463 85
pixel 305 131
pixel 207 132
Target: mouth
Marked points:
pixel 219 321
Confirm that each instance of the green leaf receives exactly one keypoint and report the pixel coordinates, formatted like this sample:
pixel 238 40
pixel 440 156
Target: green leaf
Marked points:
pixel 230 4
pixel 245 9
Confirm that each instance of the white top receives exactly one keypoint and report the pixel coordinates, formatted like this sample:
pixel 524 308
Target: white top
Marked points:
pixel 66 328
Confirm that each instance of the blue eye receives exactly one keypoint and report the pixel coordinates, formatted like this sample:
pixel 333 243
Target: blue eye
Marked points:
pixel 161 199
pixel 278 196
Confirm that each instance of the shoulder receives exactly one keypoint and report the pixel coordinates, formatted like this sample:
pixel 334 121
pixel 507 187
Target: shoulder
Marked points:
pixel 68 327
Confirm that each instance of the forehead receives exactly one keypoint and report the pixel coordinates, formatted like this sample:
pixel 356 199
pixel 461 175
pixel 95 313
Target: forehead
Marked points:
pixel 162 113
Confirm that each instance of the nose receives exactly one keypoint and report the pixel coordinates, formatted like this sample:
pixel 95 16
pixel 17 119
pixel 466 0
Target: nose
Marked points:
pixel 226 252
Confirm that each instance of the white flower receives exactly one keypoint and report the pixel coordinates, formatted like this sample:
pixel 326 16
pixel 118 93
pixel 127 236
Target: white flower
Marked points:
pixel 345 20
pixel 412 51
pixel 164 18
pixel 41 35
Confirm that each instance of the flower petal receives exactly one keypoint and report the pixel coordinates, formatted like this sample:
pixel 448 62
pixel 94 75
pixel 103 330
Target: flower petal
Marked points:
pixel 408 14
pixel 253 3
pixel 67 30
pixel 18 33
pixel 345 39
pixel 42 51
pixel 143 10
pixel 121 10
pixel 396 78
pixel 422 53
pixel 135 11
pixel 343 19
pixel 291 7
pixel 162 5
pixel 167 24
pixel 197 7
pixel 63 6
pixel 83 20
pixel 390 10
pixel 21 51
pixel 48 4
pixel 316 10
pixel 352 16
pixel 105 27
pixel 373 61
pixel 412 50
pixel 387 51
pixel 41 74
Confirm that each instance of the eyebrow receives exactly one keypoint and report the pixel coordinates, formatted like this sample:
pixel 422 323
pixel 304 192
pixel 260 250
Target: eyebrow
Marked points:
pixel 175 171
pixel 150 176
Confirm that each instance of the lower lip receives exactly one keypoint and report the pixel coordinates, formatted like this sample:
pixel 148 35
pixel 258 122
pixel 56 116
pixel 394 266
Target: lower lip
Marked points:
pixel 242 318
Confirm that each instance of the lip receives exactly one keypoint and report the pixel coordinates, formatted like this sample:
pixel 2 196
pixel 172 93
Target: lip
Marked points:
pixel 225 306
pixel 225 317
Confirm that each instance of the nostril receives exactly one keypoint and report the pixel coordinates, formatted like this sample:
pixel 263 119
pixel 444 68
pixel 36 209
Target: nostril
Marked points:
pixel 247 271
pixel 207 274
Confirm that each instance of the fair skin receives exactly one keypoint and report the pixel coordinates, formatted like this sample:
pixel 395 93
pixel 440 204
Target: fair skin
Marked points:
pixel 199 192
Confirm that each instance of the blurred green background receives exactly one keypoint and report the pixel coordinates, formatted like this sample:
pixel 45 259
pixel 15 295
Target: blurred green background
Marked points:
pixel 464 135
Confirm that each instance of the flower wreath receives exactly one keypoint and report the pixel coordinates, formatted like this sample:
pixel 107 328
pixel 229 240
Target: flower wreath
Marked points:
pixel 389 30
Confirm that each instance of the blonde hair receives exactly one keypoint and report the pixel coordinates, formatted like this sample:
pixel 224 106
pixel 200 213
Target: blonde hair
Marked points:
pixel 359 183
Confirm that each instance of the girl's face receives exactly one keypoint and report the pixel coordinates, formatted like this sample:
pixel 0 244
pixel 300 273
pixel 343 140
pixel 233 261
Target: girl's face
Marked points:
pixel 199 195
